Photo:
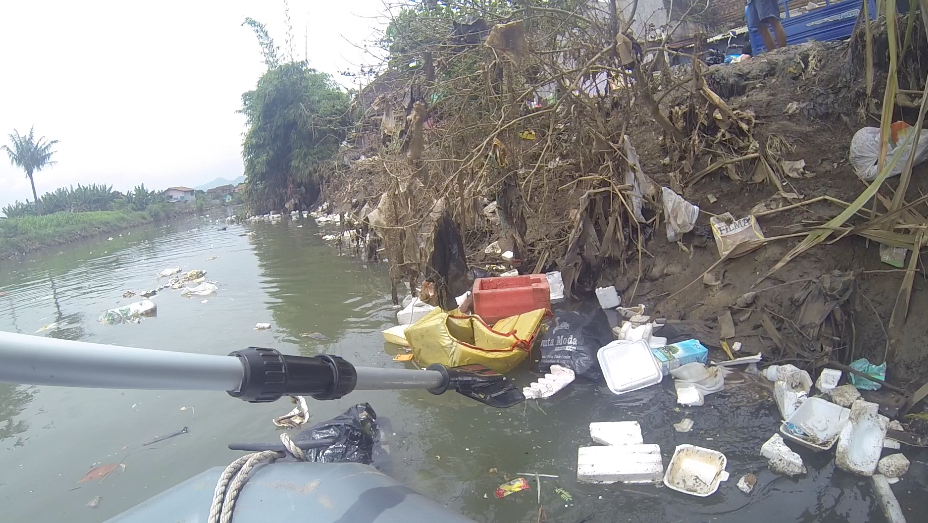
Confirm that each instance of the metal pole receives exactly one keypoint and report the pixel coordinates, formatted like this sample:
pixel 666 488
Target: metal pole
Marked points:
pixel 380 379
pixel 38 360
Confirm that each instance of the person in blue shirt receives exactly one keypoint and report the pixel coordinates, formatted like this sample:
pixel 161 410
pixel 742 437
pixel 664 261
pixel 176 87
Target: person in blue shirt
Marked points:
pixel 760 13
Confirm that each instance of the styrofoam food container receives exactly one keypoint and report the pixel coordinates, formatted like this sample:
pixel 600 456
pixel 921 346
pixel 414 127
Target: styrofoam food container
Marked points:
pixel 823 419
pixel 628 366
pixel 695 470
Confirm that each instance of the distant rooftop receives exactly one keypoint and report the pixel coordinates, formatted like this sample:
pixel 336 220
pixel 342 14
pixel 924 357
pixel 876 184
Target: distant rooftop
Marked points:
pixel 182 189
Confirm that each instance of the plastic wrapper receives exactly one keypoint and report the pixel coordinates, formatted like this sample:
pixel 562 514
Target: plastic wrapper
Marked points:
pixel 729 233
pixel 511 487
pixel 355 434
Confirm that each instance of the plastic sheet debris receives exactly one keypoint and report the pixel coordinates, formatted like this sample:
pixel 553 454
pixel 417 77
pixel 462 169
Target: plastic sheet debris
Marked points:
pixel 747 482
pixel 893 466
pixel 695 470
pixel 865 150
pixel 167 273
pixel 685 425
pixel 620 463
pixel 616 433
pixel 262 326
pixel 355 432
pixel 675 355
pixel 203 289
pixel 863 365
pixel 396 335
pixel 730 233
pixel 511 487
pixel 128 294
pixel 133 312
pixel 781 459
pixel 705 380
pixel 679 214
pixel 888 501
pixel 816 424
pixel 861 441
pixel 828 380
pixel 296 417
pixel 413 312
pixel 555 285
pixel 551 383
pixel 844 395
pixel 608 297
pixel 493 248
pixel 628 366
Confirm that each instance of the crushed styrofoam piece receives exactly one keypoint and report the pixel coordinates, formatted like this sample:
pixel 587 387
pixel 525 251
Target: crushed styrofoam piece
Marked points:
pixel 508 255
pixel 608 297
pixel 782 459
pixel 891 444
pixel 736 346
pixel 844 395
pixel 788 400
pixel 616 432
pixel 262 326
pixel 888 500
pixel 861 441
pixel 555 285
pixel 896 425
pixel 893 466
pixel 685 425
pixel 745 360
pixel 828 380
pixel 550 384
pixel 510 274
pixel 747 482
pixel 690 396
pixel 623 463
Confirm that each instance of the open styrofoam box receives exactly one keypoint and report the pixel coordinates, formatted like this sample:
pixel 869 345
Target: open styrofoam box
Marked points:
pixel 628 366
pixel 821 419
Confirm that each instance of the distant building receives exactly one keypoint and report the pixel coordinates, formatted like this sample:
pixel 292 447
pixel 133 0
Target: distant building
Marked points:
pixel 240 188
pixel 180 194
pixel 219 193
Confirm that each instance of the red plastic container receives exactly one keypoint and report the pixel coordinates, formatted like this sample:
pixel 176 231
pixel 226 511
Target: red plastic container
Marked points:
pixel 498 298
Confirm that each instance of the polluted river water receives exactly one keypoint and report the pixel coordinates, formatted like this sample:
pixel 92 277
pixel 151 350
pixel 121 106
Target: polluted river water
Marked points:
pixel 452 450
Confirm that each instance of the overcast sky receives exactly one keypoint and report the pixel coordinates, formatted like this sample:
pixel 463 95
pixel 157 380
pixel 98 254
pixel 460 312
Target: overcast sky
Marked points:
pixel 148 91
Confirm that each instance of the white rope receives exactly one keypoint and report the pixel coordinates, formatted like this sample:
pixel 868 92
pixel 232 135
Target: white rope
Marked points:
pixel 291 447
pixel 233 479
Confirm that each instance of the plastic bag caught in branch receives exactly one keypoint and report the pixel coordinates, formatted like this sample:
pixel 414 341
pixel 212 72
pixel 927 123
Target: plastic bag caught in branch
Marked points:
pixel 509 40
pixel 641 184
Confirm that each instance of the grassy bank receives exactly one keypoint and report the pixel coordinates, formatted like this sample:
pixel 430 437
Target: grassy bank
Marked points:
pixel 30 233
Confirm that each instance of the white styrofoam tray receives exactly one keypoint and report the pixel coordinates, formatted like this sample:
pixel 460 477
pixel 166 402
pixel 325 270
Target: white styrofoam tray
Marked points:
pixel 696 471
pixel 822 420
pixel 628 366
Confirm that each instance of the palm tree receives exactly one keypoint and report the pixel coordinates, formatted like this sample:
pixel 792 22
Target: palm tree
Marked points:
pixel 30 154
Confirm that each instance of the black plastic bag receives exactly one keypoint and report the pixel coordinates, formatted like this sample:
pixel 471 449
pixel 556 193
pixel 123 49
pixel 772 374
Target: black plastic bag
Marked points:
pixel 448 263
pixel 355 434
pixel 572 340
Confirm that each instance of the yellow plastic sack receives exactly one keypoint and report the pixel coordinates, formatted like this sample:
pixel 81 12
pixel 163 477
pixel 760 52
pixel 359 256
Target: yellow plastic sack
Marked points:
pixel 454 339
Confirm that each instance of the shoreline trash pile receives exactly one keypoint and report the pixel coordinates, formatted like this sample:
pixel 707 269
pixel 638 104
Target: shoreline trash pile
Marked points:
pixel 573 342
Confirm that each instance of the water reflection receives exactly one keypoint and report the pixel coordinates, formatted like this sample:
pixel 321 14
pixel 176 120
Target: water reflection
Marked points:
pixel 13 400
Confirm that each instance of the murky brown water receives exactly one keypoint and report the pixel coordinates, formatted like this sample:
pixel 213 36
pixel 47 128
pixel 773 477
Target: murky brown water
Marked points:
pixel 443 446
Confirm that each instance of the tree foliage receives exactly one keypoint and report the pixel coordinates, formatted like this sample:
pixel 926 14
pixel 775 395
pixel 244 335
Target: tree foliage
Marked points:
pixel 296 118
pixel 85 198
pixel 30 154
